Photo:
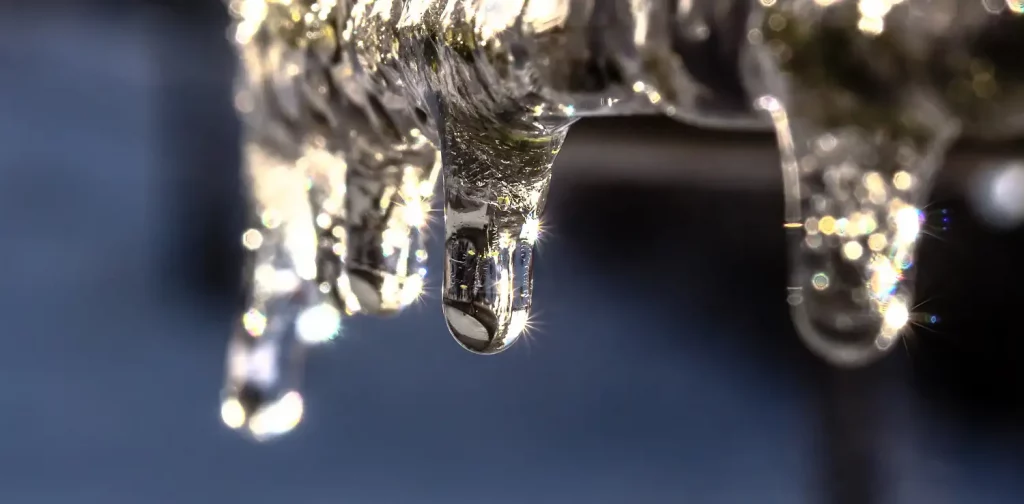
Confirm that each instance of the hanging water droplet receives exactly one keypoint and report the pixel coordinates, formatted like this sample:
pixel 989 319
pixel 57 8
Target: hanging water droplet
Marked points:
pixel 388 214
pixel 495 185
pixel 392 172
pixel 861 140
pixel 287 310
pixel 871 245
pixel 512 82
pixel 264 372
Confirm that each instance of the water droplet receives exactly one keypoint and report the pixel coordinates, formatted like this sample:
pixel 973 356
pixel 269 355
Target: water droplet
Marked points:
pixel 859 166
pixel 387 225
pixel 837 323
pixel 287 310
pixel 495 183
pixel 385 202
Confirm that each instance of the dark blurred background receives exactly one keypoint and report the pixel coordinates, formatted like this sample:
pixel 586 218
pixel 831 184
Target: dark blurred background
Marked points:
pixel 664 368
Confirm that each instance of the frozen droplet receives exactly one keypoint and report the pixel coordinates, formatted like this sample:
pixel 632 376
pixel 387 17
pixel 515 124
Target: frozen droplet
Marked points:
pixel 495 185
pixel 858 157
pixel 388 213
pixel 264 373
pixel 287 311
pixel 859 240
pixel 389 186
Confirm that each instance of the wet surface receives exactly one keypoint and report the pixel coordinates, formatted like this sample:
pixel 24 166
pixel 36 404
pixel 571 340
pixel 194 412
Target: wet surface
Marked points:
pixel 663 369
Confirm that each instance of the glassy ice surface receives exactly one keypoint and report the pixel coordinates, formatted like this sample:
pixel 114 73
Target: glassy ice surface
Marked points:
pixel 109 379
pixel 372 202
pixel 402 72
pixel 496 183
pixel 494 85
pixel 292 180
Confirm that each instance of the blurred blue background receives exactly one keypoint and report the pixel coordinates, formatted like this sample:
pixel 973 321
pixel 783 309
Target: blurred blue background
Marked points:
pixel 664 368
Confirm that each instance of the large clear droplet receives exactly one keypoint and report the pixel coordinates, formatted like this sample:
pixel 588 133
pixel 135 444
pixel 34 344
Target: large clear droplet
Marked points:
pixel 495 185
pixel 855 217
pixel 861 140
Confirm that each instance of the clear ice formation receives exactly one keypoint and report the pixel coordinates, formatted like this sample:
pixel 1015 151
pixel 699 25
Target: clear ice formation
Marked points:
pixel 286 309
pixel 367 102
pixel 289 300
pixel 866 98
pixel 496 85
pixel 338 210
